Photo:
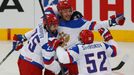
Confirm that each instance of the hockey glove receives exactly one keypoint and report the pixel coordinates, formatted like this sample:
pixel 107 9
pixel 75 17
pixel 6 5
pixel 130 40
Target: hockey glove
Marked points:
pixel 117 20
pixel 55 43
pixel 76 15
pixel 105 33
pixel 18 39
pixel 64 38
pixel 60 41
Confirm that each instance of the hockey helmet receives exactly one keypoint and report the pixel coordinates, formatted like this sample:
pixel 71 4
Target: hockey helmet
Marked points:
pixel 63 5
pixel 86 36
pixel 49 20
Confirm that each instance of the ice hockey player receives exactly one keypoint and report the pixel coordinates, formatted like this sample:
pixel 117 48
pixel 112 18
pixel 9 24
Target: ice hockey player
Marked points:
pixel 92 58
pixel 38 52
pixel 78 23
pixel 72 22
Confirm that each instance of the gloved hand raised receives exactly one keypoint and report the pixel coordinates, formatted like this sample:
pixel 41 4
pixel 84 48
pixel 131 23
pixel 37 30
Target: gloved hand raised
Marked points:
pixel 18 39
pixel 117 20
pixel 105 33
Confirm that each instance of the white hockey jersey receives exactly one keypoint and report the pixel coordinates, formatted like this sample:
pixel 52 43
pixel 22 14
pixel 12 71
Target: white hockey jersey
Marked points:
pixel 37 51
pixel 73 27
pixel 92 59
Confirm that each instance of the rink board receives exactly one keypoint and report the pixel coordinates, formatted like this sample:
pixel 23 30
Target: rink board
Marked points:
pixel 119 35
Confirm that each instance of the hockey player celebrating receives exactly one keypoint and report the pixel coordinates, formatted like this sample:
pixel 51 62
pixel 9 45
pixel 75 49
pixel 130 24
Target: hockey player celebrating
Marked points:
pixel 38 52
pixel 92 58
pixel 75 26
pixel 72 22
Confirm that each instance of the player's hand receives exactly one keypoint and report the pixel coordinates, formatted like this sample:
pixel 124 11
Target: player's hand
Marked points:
pixel 117 20
pixel 19 46
pixel 18 40
pixel 55 43
pixel 60 41
pixel 105 33
pixel 76 15
pixel 19 37
pixel 64 38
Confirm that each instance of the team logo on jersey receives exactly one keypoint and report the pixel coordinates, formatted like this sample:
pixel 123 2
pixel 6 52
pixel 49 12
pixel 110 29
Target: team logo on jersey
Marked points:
pixel 50 2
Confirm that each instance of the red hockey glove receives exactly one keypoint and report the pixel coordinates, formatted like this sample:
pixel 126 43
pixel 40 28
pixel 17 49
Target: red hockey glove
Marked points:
pixel 56 43
pixel 60 41
pixel 117 20
pixel 19 37
pixel 105 33
pixel 19 42
pixel 53 44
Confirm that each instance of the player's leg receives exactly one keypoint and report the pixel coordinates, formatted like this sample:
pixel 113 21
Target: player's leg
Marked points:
pixel 26 68
pixel 48 72
pixel 72 68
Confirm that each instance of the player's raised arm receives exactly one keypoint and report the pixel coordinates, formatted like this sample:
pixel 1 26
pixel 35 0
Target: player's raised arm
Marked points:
pixel 110 44
pixel 29 33
pixel 113 21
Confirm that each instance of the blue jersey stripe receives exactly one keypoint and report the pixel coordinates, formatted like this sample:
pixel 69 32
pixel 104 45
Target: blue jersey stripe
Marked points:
pixel 114 51
pixel 48 61
pixel 73 23
pixel 75 49
pixel 106 45
pixel 91 27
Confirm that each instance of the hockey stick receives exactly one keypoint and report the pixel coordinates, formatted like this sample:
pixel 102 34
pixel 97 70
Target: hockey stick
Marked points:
pixel 42 9
pixel 14 45
pixel 121 64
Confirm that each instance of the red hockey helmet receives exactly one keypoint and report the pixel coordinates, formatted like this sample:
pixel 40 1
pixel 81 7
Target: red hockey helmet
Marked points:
pixel 49 20
pixel 86 36
pixel 63 5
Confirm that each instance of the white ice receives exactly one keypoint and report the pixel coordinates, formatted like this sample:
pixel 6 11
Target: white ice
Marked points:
pixel 9 67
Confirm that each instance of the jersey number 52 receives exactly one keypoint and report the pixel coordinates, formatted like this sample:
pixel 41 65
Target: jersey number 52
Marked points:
pixel 93 67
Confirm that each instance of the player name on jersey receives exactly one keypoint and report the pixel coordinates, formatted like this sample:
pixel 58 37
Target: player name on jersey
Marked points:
pixel 91 46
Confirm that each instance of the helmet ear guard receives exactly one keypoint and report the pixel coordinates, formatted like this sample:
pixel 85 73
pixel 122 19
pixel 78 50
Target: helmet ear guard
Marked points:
pixel 86 36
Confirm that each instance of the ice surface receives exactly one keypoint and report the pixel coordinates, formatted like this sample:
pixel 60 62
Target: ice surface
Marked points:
pixel 9 67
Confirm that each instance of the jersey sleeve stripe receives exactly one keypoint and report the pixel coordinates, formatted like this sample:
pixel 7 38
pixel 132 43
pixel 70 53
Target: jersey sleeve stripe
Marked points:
pixel 113 48
pixel 106 45
pixel 75 49
pixel 48 61
pixel 114 51
pixel 91 27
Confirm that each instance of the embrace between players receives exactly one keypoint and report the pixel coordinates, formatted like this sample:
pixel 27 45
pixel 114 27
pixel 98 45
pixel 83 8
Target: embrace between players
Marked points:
pixel 63 44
